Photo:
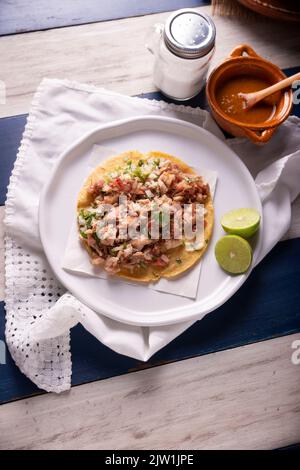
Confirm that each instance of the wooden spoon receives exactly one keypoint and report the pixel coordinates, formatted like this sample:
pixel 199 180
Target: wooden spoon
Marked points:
pixel 250 99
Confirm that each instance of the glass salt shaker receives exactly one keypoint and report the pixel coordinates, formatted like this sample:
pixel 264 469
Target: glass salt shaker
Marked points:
pixel 182 48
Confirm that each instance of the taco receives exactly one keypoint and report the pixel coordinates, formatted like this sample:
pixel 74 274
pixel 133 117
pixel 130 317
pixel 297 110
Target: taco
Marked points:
pixel 152 184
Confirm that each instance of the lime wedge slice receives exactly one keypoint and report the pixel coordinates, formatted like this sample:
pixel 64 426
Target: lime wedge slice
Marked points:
pixel 233 253
pixel 244 222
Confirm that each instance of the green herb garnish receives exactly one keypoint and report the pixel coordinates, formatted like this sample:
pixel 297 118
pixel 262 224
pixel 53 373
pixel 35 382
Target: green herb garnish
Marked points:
pixel 87 216
pixel 128 167
pixel 83 234
pixel 95 236
pixel 139 174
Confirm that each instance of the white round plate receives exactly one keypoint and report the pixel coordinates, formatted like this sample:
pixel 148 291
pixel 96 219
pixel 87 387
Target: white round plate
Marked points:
pixel 132 304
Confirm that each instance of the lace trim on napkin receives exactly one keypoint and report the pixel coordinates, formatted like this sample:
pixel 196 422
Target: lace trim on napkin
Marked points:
pixel 31 289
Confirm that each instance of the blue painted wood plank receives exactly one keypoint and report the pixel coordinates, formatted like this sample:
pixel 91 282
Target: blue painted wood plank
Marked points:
pixel 20 16
pixel 266 306
pixel 11 130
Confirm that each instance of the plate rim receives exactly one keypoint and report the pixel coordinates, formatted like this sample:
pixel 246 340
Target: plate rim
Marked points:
pixel 136 319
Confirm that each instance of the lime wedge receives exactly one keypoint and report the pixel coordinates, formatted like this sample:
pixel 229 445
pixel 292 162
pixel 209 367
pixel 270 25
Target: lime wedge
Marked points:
pixel 244 222
pixel 233 253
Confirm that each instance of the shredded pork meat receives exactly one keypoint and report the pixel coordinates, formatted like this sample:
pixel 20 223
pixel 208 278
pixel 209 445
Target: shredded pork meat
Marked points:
pixel 150 186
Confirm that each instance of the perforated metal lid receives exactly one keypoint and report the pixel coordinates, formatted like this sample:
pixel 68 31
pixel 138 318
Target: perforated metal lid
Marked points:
pixel 189 34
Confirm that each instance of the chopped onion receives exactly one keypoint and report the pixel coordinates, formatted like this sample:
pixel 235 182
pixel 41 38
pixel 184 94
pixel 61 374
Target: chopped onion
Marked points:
pixel 149 193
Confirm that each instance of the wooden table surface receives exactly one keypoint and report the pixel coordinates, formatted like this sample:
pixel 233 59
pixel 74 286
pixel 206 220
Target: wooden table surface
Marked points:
pixel 247 397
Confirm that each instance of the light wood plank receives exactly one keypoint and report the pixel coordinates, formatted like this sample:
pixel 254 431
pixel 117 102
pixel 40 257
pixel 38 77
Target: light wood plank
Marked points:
pixel 112 54
pixel 240 398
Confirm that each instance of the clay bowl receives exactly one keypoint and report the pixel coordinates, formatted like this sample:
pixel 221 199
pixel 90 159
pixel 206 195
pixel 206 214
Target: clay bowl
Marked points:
pixel 289 10
pixel 243 60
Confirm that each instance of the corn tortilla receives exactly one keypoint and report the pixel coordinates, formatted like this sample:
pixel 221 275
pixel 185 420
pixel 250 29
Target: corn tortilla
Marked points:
pixel 151 273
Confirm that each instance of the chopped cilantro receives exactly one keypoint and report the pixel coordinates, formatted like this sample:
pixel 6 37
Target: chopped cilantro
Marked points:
pixel 139 174
pixel 96 237
pixel 83 234
pixel 88 217
pixel 128 167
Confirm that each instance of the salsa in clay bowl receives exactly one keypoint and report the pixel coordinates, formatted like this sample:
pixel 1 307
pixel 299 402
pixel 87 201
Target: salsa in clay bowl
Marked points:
pixel 246 74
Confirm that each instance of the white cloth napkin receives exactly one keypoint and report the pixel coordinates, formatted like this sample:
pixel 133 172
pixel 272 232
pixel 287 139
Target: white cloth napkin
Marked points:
pixel 37 328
